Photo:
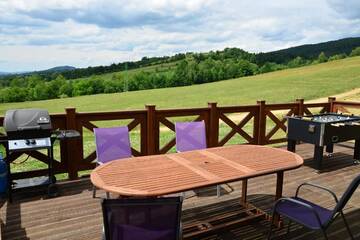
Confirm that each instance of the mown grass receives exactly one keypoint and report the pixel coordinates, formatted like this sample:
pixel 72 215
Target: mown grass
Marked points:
pixel 309 82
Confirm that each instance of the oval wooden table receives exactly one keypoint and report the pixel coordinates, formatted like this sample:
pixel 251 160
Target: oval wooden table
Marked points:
pixel 157 175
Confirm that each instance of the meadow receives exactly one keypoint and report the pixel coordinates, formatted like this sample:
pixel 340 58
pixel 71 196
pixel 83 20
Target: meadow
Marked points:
pixel 308 82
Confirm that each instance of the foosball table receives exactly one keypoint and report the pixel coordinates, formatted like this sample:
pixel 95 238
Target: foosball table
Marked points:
pixel 324 130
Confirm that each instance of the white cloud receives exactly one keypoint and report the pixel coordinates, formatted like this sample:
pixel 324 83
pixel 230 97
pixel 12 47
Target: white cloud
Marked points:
pixel 36 34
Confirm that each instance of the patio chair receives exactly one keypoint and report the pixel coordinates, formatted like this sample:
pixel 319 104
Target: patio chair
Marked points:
pixel 111 144
pixel 312 215
pixel 191 136
pixel 139 219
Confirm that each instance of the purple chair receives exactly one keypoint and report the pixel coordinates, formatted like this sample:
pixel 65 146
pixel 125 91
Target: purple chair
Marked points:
pixel 312 215
pixel 111 144
pixel 191 136
pixel 140 219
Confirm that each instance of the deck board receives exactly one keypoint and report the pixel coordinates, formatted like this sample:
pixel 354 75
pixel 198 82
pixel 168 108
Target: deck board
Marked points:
pixel 76 215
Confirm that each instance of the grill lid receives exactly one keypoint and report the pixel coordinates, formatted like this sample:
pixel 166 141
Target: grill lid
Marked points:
pixel 27 123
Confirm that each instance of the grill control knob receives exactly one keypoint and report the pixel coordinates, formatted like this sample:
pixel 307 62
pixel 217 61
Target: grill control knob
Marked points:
pixel 27 142
pixel 33 141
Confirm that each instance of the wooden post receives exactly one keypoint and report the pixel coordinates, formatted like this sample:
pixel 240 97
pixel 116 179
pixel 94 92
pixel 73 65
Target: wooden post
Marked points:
pixel 262 123
pixel 300 107
pixel 331 101
pixel 213 131
pixel 143 136
pixel 74 146
pixel 152 133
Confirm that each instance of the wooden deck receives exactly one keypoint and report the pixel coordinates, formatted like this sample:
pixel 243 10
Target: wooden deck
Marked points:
pixel 76 215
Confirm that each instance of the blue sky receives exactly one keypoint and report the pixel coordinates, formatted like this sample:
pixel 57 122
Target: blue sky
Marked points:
pixel 38 34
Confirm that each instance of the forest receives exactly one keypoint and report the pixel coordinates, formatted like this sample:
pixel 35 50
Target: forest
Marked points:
pixel 188 69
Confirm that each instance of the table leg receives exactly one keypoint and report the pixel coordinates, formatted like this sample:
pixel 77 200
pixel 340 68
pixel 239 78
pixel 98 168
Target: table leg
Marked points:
pixel 244 192
pixel 291 145
pixel 278 194
pixel 357 151
pixel 318 156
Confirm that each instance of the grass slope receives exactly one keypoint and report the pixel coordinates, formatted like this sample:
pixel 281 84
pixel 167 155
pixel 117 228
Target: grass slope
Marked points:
pixel 163 67
pixel 282 86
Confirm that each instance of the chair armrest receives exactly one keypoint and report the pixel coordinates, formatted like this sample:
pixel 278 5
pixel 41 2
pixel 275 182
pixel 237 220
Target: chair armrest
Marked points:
pixel 305 205
pixel 319 187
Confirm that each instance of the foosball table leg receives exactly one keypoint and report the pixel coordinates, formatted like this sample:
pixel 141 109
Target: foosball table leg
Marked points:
pixel 357 151
pixel 329 149
pixel 318 156
pixel 291 145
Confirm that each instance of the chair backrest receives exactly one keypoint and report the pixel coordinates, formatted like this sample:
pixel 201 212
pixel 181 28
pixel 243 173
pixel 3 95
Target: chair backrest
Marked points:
pixel 112 143
pixel 347 195
pixel 190 136
pixel 139 219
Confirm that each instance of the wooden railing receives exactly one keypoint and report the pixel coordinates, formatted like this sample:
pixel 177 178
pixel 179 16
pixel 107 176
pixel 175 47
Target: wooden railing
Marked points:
pixel 255 124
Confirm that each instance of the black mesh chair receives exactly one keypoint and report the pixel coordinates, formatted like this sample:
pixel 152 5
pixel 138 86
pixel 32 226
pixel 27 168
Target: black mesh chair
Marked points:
pixel 140 219
pixel 312 215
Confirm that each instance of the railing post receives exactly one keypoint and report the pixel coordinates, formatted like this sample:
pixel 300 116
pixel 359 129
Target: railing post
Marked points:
pixel 331 101
pixel 152 133
pixel 301 109
pixel 73 145
pixel 262 122
pixel 213 131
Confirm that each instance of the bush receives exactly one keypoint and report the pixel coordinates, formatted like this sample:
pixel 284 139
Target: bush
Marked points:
pixel 322 57
pixel 355 52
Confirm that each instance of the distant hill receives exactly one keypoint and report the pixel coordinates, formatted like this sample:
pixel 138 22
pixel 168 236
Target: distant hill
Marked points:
pixel 309 51
pixel 60 69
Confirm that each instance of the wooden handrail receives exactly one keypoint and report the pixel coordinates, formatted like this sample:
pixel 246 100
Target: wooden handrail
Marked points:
pixel 149 120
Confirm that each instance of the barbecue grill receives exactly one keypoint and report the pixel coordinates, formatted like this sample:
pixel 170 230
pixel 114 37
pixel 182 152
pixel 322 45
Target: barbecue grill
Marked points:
pixel 31 130
pixel 27 129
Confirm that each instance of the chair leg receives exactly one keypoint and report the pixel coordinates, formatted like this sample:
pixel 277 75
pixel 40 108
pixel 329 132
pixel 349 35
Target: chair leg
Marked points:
pixel 94 191
pixel 218 190
pixel 346 224
pixel 271 225
pixel 288 228
pixel 324 233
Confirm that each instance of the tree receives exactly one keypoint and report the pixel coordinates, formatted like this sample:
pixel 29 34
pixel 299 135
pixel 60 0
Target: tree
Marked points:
pixel 55 85
pixel 296 62
pixel 66 90
pixel 14 94
pixel 18 82
pixel 355 52
pixel 180 74
pixel 322 57
pixel 337 57
pixel 40 92
pixel 269 67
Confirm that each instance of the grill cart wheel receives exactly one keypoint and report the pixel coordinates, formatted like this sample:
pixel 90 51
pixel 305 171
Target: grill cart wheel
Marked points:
pixel 52 190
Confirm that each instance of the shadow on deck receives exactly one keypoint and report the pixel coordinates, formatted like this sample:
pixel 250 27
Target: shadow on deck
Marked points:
pixel 76 215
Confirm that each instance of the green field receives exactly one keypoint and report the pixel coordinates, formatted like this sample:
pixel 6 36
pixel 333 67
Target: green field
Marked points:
pixel 308 82
pixel 163 67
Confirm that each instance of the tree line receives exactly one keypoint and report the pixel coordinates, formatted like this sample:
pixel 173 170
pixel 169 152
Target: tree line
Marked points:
pixel 192 69
pixel 309 51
